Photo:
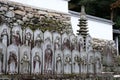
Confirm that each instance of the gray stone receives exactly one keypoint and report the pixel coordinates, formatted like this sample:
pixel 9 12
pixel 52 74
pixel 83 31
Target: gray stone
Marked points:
pixel 11 8
pixel 25 19
pixel 10 14
pixel 18 16
pixel 15 24
pixel 20 22
pixel 30 15
pixel 20 12
pixel 3 9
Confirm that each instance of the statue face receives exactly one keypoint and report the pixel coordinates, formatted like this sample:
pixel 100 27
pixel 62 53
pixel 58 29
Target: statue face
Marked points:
pixel 36 53
pixel 4 30
pixel 28 35
pixel 38 37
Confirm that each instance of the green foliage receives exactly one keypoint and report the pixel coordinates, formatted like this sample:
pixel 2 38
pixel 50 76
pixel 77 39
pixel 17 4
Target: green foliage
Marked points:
pixel 99 8
pixel 117 22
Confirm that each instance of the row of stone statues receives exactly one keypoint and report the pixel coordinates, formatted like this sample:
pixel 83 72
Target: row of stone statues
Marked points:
pixel 32 38
pixel 51 53
pixel 38 61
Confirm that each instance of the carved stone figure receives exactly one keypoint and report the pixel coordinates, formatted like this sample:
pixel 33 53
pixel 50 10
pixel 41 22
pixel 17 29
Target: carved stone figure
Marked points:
pixel 25 63
pixel 1 60
pixel 75 62
pixel 12 63
pixel 17 37
pixel 84 64
pixel 48 59
pixel 89 43
pixel 66 43
pixel 58 64
pixel 74 44
pixel 38 38
pixel 80 45
pixel 28 38
pixel 4 36
pixel 91 64
pixel 57 43
pixel 67 62
pixel 36 63
pixel 97 65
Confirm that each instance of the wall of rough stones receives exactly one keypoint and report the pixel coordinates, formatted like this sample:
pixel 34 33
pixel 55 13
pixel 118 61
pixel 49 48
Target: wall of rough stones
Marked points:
pixel 14 13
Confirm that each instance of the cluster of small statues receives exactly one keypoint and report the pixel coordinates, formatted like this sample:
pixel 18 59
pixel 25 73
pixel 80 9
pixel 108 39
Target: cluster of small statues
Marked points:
pixel 26 51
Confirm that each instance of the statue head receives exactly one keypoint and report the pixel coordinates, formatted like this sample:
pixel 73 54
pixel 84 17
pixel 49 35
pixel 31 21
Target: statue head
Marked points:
pixel 4 30
pixel 36 53
pixel 48 46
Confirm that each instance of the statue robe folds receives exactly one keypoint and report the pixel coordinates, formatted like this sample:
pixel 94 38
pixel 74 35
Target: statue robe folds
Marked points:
pixel 58 62
pixel 28 36
pixel 5 34
pixel 80 43
pixel 12 59
pixel 75 62
pixel 57 41
pixel 25 59
pixel 73 42
pixel 91 62
pixel 17 34
pixel 67 61
pixel 48 60
pixel 36 60
pixel 65 41
pixel 48 57
pixel 38 38
pixel 98 63
pixel 2 58
pixel 83 62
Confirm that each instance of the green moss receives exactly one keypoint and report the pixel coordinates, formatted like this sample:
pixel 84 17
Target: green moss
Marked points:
pixel 48 24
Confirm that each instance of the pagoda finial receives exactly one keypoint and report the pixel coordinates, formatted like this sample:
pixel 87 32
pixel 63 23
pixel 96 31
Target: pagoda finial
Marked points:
pixel 83 14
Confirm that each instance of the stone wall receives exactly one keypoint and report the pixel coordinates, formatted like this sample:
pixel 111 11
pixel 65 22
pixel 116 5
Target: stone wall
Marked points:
pixel 18 14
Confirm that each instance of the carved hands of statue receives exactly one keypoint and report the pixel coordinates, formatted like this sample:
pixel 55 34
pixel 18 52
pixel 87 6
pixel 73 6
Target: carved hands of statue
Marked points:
pixel 68 60
pixel 58 59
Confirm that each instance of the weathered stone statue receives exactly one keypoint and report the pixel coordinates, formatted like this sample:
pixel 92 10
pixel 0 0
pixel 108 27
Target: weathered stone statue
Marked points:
pixel 91 64
pixel 80 42
pixel 38 38
pixel 48 59
pixel 28 36
pixel 57 41
pixel 17 34
pixel 75 62
pixel 36 63
pixel 25 63
pixel 98 64
pixel 4 36
pixel 83 63
pixel 12 63
pixel 73 42
pixel 58 62
pixel 25 59
pixel 67 62
pixel 12 58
